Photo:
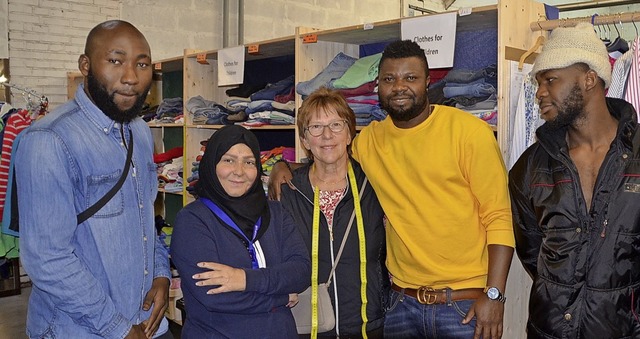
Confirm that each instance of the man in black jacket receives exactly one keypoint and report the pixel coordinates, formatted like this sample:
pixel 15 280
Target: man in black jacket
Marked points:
pixel 576 197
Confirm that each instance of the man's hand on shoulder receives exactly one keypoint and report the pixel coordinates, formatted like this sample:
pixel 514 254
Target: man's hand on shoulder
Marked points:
pixel 280 174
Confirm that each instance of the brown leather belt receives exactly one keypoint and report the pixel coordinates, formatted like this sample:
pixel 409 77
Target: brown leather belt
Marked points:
pixel 428 296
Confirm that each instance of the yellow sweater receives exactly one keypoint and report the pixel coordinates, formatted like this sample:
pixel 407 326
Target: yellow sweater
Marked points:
pixel 443 187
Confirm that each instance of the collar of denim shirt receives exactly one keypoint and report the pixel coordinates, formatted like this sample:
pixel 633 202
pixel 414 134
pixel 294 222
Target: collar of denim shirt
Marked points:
pixel 93 113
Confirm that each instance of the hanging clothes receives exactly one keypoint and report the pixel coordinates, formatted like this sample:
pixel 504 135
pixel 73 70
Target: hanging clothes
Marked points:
pixel 527 120
pixel 16 123
pixel 620 75
pixel 632 92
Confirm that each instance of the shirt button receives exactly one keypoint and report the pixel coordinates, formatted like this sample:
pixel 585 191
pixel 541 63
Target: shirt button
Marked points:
pixel 140 206
pixel 106 130
pixel 116 125
pixel 133 174
pixel 624 156
pixel 147 272
pixel 567 317
pixel 578 230
pixel 144 238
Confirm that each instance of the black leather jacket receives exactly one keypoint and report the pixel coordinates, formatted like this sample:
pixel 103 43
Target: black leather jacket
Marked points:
pixel 584 260
pixel 300 203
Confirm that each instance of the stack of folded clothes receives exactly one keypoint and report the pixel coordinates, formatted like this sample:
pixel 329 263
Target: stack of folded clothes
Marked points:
pixel 169 166
pixel 272 105
pixel 206 112
pixel 473 91
pixel 356 80
pixel 195 175
pixel 249 105
pixel 169 111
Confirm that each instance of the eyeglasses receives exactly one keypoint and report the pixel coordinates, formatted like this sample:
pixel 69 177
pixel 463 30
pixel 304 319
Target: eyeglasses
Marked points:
pixel 335 127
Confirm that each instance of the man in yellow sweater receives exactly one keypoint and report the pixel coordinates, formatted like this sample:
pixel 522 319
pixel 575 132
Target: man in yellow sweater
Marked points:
pixel 440 178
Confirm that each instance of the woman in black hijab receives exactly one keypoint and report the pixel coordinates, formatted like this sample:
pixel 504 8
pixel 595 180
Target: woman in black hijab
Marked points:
pixel 238 255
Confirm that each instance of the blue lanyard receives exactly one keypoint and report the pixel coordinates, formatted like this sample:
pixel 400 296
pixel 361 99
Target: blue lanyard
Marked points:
pixel 227 220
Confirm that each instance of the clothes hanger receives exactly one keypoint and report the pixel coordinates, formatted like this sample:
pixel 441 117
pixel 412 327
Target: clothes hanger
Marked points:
pixel 539 42
pixel 607 34
pixel 618 44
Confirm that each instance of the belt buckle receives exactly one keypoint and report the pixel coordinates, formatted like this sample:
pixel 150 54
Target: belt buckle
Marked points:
pixel 425 296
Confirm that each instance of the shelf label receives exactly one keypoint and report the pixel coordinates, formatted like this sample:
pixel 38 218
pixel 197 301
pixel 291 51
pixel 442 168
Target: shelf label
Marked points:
pixel 231 66
pixel 157 66
pixel 253 49
pixel 465 11
pixel 367 26
pixel 436 35
pixel 201 58
pixel 310 38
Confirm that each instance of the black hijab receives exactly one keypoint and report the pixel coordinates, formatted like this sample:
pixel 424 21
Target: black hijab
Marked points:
pixel 246 209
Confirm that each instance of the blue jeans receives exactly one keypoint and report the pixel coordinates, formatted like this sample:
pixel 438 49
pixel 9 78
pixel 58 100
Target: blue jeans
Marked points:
pixel 336 68
pixel 407 318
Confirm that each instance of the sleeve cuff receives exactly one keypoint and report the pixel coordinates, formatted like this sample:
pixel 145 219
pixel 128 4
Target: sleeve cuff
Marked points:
pixel 501 237
pixel 119 328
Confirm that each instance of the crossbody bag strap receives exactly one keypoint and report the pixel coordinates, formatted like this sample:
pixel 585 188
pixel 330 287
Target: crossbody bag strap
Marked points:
pixel 86 214
pixel 346 234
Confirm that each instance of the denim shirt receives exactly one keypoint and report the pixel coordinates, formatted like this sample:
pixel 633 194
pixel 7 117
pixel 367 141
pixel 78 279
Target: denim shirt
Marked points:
pixel 89 280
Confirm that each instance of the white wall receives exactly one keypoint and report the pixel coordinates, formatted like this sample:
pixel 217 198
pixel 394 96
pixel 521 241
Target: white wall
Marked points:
pixel 267 19
pixel 45 39
pixel 171 26
pixel 4 29
pixel 47 36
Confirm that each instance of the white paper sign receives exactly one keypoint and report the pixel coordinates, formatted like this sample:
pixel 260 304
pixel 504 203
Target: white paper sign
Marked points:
pixel 231 66
pixel 436 34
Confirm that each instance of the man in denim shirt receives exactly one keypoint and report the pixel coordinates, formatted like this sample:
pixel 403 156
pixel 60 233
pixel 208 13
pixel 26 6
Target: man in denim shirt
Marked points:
pixel 107 277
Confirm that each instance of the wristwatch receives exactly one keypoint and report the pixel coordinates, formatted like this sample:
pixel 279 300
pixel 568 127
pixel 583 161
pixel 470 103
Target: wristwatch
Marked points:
pixel 494 294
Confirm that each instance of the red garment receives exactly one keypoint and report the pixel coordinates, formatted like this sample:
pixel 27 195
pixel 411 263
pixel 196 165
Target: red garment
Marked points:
pixel 437 74
pixel 366 101
pixel 17 122
pixel 363 89
pixel 168 155
pixel 284 98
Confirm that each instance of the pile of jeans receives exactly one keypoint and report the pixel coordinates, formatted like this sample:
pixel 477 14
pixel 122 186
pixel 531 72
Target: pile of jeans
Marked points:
pixel 355 79
pixel 206 112
pixel 169 111
pixel 473 91
pixel 250 105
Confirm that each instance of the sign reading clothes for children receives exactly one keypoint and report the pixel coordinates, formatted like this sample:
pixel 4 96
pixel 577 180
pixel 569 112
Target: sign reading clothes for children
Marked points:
pixel 231 66
pixel 436 34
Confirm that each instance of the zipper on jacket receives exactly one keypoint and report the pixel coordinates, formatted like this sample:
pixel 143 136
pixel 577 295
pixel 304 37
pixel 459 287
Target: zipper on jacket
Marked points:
pixel 605 222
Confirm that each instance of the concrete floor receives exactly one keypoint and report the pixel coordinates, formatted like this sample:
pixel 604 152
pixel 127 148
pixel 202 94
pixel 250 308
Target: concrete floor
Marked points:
pixel 13 316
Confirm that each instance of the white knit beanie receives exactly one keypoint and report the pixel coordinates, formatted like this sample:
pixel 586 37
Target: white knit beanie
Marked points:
pixel 571 45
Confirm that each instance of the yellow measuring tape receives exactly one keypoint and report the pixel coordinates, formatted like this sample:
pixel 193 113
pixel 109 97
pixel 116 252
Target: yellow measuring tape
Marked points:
pixel 314 262
pixel 314 255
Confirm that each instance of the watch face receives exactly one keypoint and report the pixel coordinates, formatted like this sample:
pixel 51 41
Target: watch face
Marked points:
pixel 493 293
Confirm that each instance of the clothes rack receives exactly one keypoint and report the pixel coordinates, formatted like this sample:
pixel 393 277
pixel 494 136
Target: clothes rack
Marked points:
pixel 594 4
pixel 633 17
pixel 39 108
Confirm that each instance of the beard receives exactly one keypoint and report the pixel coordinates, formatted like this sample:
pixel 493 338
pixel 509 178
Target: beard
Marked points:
pixel 408 113
pixel 106 102
pixel 570 110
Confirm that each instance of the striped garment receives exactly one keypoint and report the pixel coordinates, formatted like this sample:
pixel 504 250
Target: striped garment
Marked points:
pixel 632 94
pixel 619 75
pixel 16 123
